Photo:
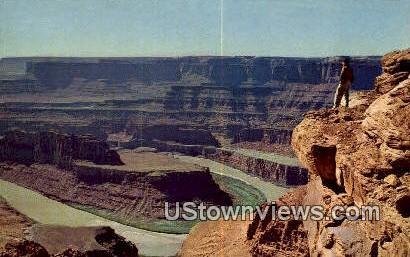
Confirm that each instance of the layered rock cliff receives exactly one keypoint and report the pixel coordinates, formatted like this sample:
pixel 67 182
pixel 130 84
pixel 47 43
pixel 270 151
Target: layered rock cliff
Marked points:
pixel 84 172
pixel 128 196
pixel 223 95
pixel 267 136
pixel 269 169
pixel 54 148
pixel 218 70
pixel 176 133
pixel 360 156
pixel 356 157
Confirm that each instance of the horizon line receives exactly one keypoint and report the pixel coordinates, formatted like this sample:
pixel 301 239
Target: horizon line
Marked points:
pixel 185 56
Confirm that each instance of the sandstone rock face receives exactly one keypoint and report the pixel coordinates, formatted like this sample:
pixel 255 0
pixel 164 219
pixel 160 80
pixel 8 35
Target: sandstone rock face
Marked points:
pixel 352 160
pixel 360 156
pixel 268 170
pixel 53 148
pixel 130 195
pixel 270 237
pixel 176 134
pixel 217 238
pixel 190 150
pixel 387 123
pixel 268 136
pixel 259 237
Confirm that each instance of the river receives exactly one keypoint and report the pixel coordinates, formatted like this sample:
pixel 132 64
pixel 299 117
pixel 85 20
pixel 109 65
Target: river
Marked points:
pixel 271 191
pixel 47 211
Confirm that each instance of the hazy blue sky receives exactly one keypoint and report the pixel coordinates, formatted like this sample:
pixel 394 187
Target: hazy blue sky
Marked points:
pixel 193 27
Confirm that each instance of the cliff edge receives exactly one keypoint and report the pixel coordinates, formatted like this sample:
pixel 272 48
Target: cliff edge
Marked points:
pixel 355 157
pixel 361 156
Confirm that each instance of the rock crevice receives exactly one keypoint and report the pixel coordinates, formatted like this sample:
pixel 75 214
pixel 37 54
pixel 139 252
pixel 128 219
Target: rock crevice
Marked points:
pixel 363 150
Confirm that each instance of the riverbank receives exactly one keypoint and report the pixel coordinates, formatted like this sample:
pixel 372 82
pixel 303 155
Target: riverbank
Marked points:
pixel 55 213
pixel 248 190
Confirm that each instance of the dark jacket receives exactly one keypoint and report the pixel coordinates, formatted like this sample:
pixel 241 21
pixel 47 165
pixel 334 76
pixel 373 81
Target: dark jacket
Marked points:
pixel 346 75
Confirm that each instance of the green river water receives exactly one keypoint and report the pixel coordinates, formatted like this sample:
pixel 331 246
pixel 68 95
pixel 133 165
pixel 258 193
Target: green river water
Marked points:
pixel 47 211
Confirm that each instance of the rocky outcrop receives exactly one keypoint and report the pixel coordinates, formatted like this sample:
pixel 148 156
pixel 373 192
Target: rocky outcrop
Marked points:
pixel 54 148
pixel 175 133
pixel 270 237
pixel 355 157
pixel 83 171
pixel 267 136
pixel 131 195
pixel 21 236
pixel 82 241
pixel 360 156
pixel 217 238
pixel 102 242
pixel 13 224
pixel 190 150
pixel 269 170
pixel 257 237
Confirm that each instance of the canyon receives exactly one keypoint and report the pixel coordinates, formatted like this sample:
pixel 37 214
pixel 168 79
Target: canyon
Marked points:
pixel 356 156
pixel 84 172
pixel 224 95
pixel 183 104
pixel 118 137
pixel 277 169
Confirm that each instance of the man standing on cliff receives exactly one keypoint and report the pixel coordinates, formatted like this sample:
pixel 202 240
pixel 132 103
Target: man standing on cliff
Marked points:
pixel 346 80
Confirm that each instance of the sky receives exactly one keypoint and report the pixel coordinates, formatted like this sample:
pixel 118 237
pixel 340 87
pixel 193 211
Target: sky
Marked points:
pixel 203 27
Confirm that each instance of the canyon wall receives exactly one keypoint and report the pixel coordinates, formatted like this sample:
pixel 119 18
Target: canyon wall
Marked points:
pixel 267 135
pixel 269 170
pixel 360 156
pixel 82 170
pixel 129 195
pixel 54 148
pixel 215 70
pixel 224 95
pixel 356 157
pixel 175 133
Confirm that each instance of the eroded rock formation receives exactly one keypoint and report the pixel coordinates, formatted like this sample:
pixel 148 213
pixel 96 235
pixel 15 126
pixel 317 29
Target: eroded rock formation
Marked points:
pixel 100 241
pixel 23 237
pixel 219 70
pixel 355 157
pixel 270 237
pixel 13 224
pixel 54 148
pixel 177 134
pixel 83 171
pixel 360 156
pixel 269 170
pixel 267 136
pixel 131 195
pixel 222 95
